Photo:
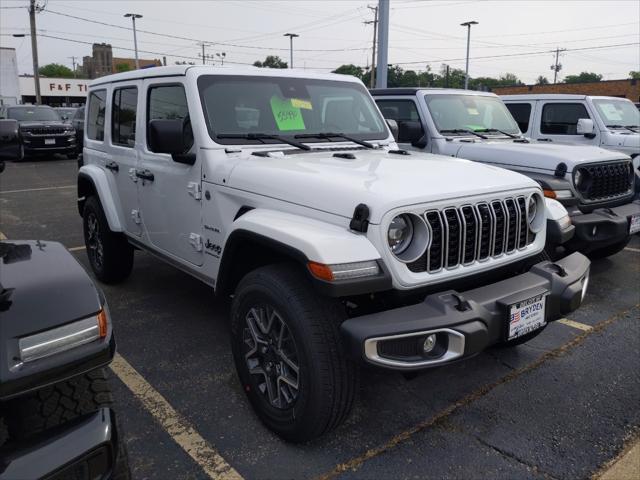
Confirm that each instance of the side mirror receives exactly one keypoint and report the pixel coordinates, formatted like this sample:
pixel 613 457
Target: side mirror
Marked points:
pixel 10 147
pixel 172 136
pixel 421 142
pixel 412 132
pixel 585 127
pixel 393 126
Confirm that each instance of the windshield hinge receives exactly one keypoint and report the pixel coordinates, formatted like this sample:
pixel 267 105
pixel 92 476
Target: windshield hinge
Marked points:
pixel 360 220
pixel 135 215
pixel 194 190
pixel 196 241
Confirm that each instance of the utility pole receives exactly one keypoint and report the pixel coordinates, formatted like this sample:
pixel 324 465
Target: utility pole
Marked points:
pixel 466 71
pixel 383 43
pixel 372 78
pixel 33 9
pixel 556 67
pixel 135 39
pixel 291 37
pixel 73 60
pixel 203 55
pixel 446 78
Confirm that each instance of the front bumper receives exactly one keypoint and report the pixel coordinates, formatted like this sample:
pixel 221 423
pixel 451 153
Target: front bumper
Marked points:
pixel 36 144
pixel 467 322
pixel 602 227
pixel 85 448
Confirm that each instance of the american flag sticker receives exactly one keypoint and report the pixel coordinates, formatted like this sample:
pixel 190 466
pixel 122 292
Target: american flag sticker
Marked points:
pixel 515 317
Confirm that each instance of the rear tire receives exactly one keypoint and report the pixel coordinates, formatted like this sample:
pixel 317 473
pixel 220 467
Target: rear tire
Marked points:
pixel 609 250
pixel 289 355
pixel 110 255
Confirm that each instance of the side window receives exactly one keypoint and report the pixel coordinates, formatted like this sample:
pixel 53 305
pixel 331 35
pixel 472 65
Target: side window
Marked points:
pixel 123 116
pixel 562 118
pixel 521 112
pixel 95 120
pixel 166 102
pixel 405 113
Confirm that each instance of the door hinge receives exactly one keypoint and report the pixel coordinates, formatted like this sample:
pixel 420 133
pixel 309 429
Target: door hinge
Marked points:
pixel 196 241
pixel 194 190
pixel 135 214
pixel 132 175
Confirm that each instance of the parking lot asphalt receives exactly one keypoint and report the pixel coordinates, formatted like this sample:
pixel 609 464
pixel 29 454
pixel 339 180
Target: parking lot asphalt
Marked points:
pixel 558 407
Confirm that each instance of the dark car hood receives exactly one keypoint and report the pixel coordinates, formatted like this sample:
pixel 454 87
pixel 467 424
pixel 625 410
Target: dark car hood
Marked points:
pixel 43 287
pixel 51 123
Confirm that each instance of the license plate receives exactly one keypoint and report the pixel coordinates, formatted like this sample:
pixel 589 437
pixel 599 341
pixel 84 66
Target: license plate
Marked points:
pixel 49 141
pixel 527 316
pixel 634 227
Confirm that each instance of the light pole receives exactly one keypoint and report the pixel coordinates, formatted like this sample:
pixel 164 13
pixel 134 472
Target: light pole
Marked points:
pixel 135 39
pixel 291 37
pixel 36 73
pixel 221 57
pixel 466 71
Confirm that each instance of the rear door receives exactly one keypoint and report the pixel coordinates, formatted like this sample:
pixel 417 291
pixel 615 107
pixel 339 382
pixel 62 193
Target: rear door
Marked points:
pixel 557 122
pixel 170 194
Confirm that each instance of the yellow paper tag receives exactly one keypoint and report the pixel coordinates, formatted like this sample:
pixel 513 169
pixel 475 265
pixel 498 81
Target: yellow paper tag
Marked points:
pixel 299 103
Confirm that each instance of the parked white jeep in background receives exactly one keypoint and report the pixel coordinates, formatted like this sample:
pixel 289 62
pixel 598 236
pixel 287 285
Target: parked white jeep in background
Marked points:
pixel 286 191
pixel 607 122
pixel 595 185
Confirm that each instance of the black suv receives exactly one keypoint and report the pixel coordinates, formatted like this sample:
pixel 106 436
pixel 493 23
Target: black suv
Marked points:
pixel 42 131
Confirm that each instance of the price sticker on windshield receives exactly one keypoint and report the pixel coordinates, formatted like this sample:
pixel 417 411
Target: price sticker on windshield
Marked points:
pixel 287 116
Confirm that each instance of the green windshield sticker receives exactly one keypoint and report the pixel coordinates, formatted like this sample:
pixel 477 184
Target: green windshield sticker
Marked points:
pixel 288 117
pixel 474 127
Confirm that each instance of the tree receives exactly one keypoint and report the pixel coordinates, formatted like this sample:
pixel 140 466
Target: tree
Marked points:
pixel 272 61
pixel 55 70
pixel 542 80
pixel 350 69
pixel 635 75
pixel 122 67
pixel 509 79
pixel 583 77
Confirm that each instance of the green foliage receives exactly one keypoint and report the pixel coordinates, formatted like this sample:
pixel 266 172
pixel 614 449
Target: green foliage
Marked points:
pixel 583 77
pixel 122 67
pixel 55 70
pixel 634 74
pixel 542 80
pixel 272 61
pixel 350 70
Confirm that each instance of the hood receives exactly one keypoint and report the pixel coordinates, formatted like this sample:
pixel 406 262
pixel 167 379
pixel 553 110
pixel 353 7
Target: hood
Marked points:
pixel 49 123
pixel 381 180
pixel 42 287
pixel 534 155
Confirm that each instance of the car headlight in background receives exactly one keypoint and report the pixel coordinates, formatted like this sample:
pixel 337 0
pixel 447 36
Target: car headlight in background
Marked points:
pixel 408 237
pixel 582 180
pixel 66 337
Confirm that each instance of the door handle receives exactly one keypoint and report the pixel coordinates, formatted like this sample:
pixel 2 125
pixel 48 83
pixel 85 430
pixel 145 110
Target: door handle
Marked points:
pixel 113 166
pixel 545 140
pixel 145 175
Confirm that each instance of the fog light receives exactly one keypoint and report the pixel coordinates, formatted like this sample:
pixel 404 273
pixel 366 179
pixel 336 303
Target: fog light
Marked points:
pixel 429 343
pixel 585 284
pixel 594 231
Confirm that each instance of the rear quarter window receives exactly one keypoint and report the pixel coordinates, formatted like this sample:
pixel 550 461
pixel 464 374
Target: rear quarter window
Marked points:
pixel 96 117
pixel 521 113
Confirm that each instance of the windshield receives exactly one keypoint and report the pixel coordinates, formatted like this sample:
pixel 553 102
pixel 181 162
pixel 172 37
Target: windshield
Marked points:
pixel 618 112
pixel 66 111
pixel 36 114
pixel 285 107
pixel 471 112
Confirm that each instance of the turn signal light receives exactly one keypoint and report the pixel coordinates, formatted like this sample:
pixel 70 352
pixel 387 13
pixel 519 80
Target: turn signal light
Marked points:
pixel 550 194
pixel 321 271
pixel 102 323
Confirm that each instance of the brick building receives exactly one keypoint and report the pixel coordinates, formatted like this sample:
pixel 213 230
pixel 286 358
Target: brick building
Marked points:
pixel 101 62
pixel 629 88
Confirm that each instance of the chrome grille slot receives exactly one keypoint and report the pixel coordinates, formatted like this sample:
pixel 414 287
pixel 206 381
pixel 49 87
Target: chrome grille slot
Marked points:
pixel 460 236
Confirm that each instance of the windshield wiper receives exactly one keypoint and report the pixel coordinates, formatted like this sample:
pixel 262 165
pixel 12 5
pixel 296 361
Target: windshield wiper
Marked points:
pixel 628 127
pixel 265 136
pixel 464 130
pixel 492 130
pixel 329 136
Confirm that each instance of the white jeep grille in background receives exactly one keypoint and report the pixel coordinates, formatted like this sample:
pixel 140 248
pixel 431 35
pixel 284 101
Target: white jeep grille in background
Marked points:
pixel 463 235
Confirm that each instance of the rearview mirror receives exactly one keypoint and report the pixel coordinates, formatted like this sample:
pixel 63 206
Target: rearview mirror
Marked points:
pixel 10 146
pixel 393 126
pixel 172 136
pixel 585 127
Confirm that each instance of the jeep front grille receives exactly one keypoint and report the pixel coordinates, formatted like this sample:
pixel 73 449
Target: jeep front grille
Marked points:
pixel 45 130
pixel 605 181
pixel 469 233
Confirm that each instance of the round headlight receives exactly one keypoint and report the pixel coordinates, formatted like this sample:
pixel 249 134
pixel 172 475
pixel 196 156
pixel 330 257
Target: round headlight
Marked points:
pixel 582 180
pixel 400 233
pixel 532 209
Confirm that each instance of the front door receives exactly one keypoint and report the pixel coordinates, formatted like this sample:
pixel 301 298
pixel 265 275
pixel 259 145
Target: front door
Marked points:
pixel 169 192
pixel 558 121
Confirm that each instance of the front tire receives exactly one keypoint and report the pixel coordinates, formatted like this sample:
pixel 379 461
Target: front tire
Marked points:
pixel 110 255
pixel 289 354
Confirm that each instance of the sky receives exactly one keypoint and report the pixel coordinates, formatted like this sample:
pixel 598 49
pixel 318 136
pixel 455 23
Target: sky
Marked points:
pixel 512 36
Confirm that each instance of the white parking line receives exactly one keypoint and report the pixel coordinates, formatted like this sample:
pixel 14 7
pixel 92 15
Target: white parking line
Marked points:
pixel 2 192
pixel 571 323
pixel 3 236
pixel 75 249
pixel 178 427
pixel 637 250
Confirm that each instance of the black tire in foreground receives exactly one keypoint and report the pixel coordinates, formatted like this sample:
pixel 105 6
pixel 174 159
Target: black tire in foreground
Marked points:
pixel 110 255
pixel 51 406
pixel 289 355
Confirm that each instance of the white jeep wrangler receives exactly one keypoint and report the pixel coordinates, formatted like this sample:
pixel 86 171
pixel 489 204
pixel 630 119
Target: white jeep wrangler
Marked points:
pixel 286 191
